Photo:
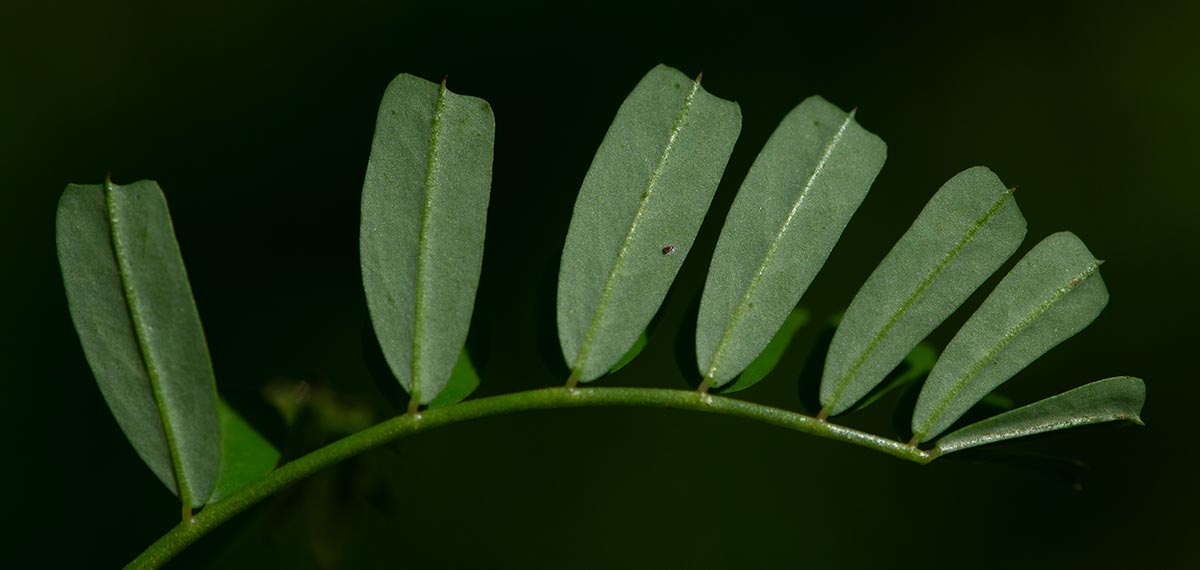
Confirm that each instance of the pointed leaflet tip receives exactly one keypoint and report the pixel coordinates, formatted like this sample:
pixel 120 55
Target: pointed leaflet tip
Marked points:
pixel 699 76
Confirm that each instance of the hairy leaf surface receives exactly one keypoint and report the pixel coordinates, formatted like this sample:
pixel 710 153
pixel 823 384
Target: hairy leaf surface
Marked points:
pixel 965 233
pixel 132 306
pixel 424 211
pixel 797 198
pixel 245 454
pixel 1112 399
pixel 637 214
pixel 1051 294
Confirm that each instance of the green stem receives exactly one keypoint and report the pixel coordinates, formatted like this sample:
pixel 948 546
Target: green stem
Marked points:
pixel 212 516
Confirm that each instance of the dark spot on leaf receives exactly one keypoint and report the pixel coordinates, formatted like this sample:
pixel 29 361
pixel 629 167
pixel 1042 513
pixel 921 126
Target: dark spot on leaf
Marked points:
pixel 668 250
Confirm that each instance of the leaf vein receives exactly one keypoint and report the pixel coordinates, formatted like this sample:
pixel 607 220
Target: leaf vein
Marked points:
pixel 422 243
pixel 145 350
pixel 619 263
pixel 1009 336
pixel 744 303
pixel 913 297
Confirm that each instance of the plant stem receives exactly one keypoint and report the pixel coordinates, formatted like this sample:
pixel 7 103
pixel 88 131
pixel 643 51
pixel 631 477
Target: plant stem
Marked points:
pixel 212 516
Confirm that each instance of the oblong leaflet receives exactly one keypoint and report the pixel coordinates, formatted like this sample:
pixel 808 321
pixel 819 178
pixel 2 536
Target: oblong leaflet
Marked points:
pixel 637 214
pixel 133 309
pixel 797 198
pixel 969 228
pixel 1051 294
pixel 424 214
pixel 1107 400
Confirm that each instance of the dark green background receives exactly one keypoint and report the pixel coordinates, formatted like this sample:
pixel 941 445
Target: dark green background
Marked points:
pixel 257 123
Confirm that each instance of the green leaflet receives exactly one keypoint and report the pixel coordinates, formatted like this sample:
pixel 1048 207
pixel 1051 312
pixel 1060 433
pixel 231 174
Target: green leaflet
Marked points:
pixel 132 307
pixel 963 235
pixel 638 346
pixel 1051 294
pixel 245 454
pixel 770 356
pixel 643 340
pixel 797 198
pixel 464 379
pixel 635 218
pixel 915 366
pixel 1119 398
pixel 424 210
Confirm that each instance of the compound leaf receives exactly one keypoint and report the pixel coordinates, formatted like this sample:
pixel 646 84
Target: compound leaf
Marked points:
pixel 424 211
pixel 637 214
pixel 133 309
pixel 797 198
pixel 965 233
pixel 1052 293
pixel 1112 399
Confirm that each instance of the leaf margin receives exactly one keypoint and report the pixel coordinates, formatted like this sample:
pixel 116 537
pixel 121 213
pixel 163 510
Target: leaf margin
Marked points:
pixel 928 423
pixel 582 330
pixel 984 432
pixel 403 336
pixel 124 276
pixel 761 186
pixel 986 190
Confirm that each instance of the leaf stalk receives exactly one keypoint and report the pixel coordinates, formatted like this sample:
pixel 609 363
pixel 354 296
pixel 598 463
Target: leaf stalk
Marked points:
pixel 212 516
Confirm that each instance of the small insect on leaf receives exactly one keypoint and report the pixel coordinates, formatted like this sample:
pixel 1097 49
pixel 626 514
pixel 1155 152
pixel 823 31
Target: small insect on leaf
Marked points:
pixel 668 250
